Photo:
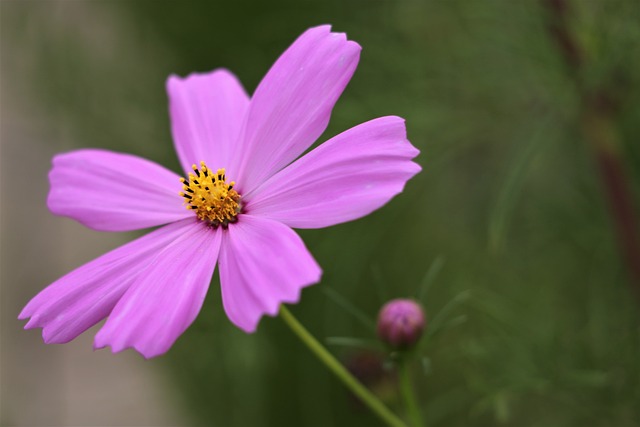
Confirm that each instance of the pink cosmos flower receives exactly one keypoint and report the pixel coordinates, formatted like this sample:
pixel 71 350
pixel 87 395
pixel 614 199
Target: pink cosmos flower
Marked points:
pixel 151 289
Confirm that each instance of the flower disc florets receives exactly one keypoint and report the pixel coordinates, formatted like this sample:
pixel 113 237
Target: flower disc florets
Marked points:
pixel 209 195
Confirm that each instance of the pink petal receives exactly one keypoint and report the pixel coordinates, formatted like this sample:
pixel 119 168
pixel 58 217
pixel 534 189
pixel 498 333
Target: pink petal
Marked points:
pixel 292 105
pixel 262 264
pixel 110 191
pixel 206 111
pixel 345 178
pixel 83 297
pixel 167 297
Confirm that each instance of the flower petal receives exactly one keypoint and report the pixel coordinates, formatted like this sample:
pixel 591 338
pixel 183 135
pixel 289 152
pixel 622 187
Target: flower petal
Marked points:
pixel 345 178
pixel 110 191
pixel 292 104
pixel 83 297
pixel 166 298
pixel 206 111
pixel 262 264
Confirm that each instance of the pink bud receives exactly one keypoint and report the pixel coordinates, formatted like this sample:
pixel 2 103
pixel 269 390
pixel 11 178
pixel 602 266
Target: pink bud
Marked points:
pixel 401 322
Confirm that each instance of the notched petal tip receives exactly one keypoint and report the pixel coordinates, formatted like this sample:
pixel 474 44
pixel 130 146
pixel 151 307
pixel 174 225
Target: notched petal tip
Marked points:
pixel 397 125
pixel 298 296
pixel 50 337
pixel 175 79
pixel 275 310
pixel 207 110
pixel 247 329
pixel 49 340
pixel 316 31
pixel 32 323
pixel 415 168
pixel 263 264
pixel 369 163
pixel 166 298
pixel 26 312
pixel 94 187
pixel 292 105
pixel 325 30
pixel 100 342
pixel 120 347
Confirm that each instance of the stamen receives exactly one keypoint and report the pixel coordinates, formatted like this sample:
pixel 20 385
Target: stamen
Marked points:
pixel 212 199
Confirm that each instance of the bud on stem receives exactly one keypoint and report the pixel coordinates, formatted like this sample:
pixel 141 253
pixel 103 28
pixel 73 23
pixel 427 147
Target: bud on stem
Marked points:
pixel 401 323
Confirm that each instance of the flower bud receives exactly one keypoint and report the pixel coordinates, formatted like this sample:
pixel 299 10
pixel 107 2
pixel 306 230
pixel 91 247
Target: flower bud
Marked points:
pixel 400 323
pixel 371 369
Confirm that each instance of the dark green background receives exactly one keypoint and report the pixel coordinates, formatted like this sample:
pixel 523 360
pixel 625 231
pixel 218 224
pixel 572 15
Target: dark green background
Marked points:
pixel 510 199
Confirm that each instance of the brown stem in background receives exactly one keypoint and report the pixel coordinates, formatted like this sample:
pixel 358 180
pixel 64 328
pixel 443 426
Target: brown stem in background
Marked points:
pixel 598 127
pixel 557 25
pixel 622 210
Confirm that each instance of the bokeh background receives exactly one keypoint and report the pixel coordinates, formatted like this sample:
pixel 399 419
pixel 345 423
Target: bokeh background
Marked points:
pixel 518 236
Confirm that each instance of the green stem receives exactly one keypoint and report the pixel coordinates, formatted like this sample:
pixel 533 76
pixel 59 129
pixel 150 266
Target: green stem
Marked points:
pixel 407 394
pixel 340 371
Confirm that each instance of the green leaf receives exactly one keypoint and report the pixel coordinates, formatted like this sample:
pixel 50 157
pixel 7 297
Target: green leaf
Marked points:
pixel 358 314
pixel 512 186
pixel 429 277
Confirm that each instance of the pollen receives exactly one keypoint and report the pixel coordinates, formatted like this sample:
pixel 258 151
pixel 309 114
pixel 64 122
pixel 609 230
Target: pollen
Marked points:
pixel 210 196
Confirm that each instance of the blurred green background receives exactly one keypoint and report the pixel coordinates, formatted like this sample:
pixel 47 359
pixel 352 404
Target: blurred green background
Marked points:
pixel 507 101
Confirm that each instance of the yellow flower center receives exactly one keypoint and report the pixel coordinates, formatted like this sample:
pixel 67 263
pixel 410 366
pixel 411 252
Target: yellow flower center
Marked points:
pixel 209 195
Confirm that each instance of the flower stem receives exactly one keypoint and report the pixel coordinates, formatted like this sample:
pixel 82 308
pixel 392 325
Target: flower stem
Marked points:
pixel 340 371
pixel 408 395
